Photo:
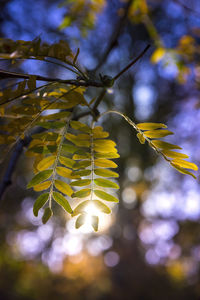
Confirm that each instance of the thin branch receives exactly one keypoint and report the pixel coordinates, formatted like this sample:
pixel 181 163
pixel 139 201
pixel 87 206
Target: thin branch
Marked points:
pixel 5 74
pixel 115 35
pixel 132 63
pixel 26 93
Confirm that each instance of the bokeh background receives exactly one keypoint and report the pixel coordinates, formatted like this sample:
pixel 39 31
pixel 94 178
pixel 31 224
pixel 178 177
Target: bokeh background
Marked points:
pixel 149 248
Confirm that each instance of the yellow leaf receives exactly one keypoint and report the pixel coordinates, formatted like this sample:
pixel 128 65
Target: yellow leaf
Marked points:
pixel 158 55
pixel 164 145
pixel 150 126
pixel 157 133
pixel 45 163
pixel 182 170
pixel 141 138
pixel 42 186
pixel 174 154
pixel 185 164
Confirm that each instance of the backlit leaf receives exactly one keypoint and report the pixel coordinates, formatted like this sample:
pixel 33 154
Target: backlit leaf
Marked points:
pixel 185 164
pixel 41 176
pixel 82 182
pixel 106 183
pixel 105 163
pixel 105 173
pixel 105 196
pixel 80 126
pixel 164 145
pixel 80 221
pixel 182 170
pixel 81 172
pixel 68 162
pixel 150 126
pixel 46 163
pixel 80 208
pixel 62 201
pixel 82 193
pixel 157 133
pixel 63 187
pixel 47 215
pixel 107 155
pixel 101 206
pixel 82 164
pixel 174 154
pixel 39 203
pixel 42 186
pixel 65 172
pixel 95 222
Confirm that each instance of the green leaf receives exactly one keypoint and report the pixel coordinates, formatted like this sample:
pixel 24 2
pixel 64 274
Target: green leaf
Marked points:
pixel 42 186
pixel 95 223
pixel 63 187
pixel 81 173
pixel 101 206
pixel 182 170
pixel 65 172
pixel 81 154
pixel 47 215
pixel 62 201
pixel 69 148
pixel 77 141
pixel 185 164
pixel 104 163
pixel 47 136
pixel 164 145
pixel 141 137
pixel 46 163
pixel 107 155
pixel 51 125
pixel 80 221
pixel 56 116
pixel 157 133
pixel 105 173
pixel 106 183
pixel 80 126
pixel 82 182
pixel 39 203
pixel 41 176
pixel 83 136
pixel 68 162
pixel 82 164
pixel 82 193
pixel 174 154
pixel 150 126
pixel 105 196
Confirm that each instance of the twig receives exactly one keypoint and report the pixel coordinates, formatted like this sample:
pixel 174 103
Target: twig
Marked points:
pixel 116 32
pixel 132 63
pixel 5 74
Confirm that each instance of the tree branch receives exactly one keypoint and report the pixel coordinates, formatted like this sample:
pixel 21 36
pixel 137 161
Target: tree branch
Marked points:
pixel 115 35
pixel 131 63
pixel 5 74
pixel 6 181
